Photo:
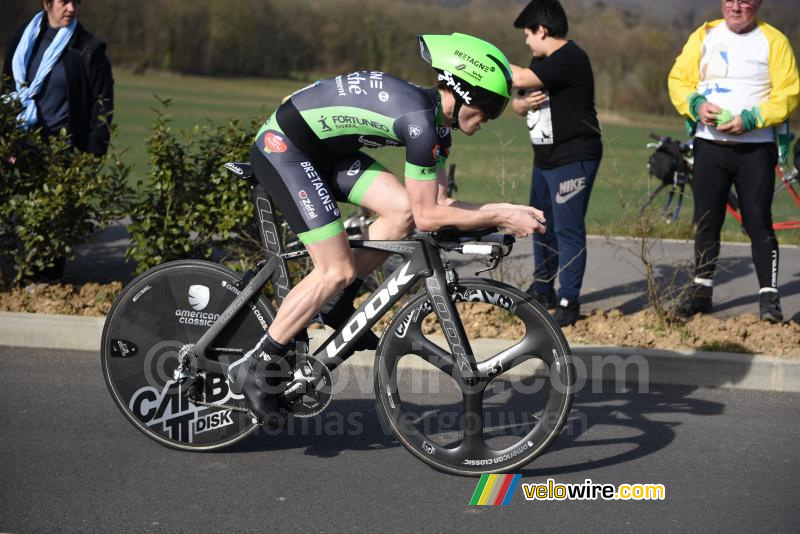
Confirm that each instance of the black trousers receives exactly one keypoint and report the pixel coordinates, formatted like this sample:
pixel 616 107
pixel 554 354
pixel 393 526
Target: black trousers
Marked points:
pixel 750 168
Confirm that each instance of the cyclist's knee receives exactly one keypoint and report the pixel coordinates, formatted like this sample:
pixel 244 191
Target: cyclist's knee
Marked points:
pixel 339 276
pixel 404 220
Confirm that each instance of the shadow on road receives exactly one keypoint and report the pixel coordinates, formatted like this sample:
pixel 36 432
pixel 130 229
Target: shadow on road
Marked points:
pixel 600 423
pixel 347 425
pixel 603 423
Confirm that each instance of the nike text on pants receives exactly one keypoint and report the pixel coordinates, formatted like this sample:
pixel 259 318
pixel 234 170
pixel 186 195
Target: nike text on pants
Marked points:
pixel 562 193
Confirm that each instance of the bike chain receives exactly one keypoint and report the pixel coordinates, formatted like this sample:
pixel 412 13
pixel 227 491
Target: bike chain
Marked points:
pixel 192 395
pixel 225 406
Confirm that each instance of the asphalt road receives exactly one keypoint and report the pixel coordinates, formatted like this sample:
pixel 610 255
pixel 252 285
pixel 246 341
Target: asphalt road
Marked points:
pixel 729 460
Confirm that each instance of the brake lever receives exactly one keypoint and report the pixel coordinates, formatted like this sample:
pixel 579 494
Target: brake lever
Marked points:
pixel 504 250
pixel 495 263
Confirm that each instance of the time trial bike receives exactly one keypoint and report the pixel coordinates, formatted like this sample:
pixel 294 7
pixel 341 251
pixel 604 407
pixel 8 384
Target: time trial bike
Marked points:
pixel 174 330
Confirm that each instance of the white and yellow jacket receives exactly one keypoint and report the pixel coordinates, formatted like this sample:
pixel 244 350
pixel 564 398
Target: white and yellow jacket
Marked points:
pixel 753 75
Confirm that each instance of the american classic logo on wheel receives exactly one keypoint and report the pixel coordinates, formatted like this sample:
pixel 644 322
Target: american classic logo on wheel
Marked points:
pixel 273 143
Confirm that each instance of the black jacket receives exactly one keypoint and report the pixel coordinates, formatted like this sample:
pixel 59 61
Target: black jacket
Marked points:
pixel 91 87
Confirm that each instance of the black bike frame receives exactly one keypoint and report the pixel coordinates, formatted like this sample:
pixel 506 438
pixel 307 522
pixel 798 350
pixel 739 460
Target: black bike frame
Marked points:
pixel 422 260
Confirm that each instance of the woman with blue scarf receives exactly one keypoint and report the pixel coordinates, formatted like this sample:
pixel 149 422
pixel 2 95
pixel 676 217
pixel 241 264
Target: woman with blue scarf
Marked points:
pixel 62 76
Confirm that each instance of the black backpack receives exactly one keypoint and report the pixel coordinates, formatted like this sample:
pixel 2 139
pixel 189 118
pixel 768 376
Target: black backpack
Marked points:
pixel 666 161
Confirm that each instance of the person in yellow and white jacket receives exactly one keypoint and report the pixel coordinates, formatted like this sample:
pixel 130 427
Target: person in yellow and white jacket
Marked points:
pixel 735 81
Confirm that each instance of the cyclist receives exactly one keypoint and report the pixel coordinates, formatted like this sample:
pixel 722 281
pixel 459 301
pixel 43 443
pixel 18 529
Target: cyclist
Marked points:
pixel 308 157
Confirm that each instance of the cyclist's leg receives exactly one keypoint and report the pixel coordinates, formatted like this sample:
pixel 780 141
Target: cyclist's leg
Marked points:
pixel 308 205
pixel 359 179
pixel 334 269
pixel 754 179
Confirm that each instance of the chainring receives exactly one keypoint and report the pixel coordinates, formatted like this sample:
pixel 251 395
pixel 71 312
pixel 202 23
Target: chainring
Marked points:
pixel 318 392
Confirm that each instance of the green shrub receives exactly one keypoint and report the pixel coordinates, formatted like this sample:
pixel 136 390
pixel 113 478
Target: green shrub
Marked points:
pixel 52 197
pixel 190 207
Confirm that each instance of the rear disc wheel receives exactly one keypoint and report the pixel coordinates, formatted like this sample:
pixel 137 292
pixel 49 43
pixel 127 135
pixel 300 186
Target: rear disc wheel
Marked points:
pixel 158 315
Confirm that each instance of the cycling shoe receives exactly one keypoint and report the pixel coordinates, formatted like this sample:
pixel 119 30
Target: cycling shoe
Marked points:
pixel 261 380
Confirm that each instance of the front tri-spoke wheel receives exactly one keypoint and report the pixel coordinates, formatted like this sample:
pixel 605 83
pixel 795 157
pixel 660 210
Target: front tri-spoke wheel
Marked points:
pixel 501 419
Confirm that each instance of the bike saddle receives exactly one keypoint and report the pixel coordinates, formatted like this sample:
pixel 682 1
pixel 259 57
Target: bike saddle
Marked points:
pixel 239 170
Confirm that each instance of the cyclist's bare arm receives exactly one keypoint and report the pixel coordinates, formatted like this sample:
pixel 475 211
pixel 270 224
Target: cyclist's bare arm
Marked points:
pixel 441 187
pixel 442 198
pixel 429 214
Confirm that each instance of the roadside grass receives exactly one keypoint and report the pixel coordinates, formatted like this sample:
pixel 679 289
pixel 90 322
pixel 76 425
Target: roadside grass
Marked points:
pixel 498 157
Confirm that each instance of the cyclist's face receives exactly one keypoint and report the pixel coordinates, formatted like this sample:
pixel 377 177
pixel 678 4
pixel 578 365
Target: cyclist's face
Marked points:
pixel 470 119
pixel 740 15
pixel 60 13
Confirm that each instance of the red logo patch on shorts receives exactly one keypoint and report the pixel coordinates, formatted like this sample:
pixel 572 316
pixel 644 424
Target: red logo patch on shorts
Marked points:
pixel 274 143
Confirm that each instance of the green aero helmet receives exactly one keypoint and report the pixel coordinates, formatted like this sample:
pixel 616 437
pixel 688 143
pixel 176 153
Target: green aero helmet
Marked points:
pixel 476 71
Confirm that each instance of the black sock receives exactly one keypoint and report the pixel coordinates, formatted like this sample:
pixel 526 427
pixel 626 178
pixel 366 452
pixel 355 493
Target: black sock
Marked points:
pixel 272 347
pixel 339 308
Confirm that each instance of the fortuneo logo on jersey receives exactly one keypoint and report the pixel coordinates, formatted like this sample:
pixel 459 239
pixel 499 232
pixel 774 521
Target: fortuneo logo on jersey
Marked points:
pixel 199 297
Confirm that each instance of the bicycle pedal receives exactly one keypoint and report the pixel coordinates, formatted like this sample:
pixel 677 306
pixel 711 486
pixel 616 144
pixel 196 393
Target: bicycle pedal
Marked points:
pixel 310 392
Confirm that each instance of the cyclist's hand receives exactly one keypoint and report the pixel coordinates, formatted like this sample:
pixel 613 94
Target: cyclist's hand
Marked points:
pixel 734 127
pixel 708 113
pixel 523 222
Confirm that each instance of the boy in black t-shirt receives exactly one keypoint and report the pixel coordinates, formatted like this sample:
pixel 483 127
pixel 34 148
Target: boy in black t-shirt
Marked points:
pixel 556 93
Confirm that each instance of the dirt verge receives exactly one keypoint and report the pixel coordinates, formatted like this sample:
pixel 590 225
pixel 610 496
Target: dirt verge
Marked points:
pixel 743 334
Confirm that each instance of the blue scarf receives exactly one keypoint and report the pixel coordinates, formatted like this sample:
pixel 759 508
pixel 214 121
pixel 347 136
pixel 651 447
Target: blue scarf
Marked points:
pixel 26 93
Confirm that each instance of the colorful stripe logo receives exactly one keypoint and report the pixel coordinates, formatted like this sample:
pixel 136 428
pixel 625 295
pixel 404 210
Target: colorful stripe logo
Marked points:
pixel 495 489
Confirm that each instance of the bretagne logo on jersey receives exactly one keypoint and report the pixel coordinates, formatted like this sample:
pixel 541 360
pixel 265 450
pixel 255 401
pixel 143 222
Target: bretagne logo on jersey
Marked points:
pixel 414 131
pixel 199 297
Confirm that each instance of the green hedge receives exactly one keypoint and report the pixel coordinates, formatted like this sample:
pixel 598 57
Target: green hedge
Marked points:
pixel 190 207
pixel 52 197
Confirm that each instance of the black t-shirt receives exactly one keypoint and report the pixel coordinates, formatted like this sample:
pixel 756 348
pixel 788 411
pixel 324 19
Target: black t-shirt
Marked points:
pixel 565 129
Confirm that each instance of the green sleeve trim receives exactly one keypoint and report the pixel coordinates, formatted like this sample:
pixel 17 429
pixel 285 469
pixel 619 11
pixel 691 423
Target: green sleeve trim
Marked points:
pixel 690 127
pixel 322 233
pixel 751 119
pixel 695 101
pixel 365 180
pixel 420 173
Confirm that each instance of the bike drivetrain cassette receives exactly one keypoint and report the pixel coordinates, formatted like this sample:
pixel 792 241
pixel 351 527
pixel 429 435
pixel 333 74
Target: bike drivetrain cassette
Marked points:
pixel 310 389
